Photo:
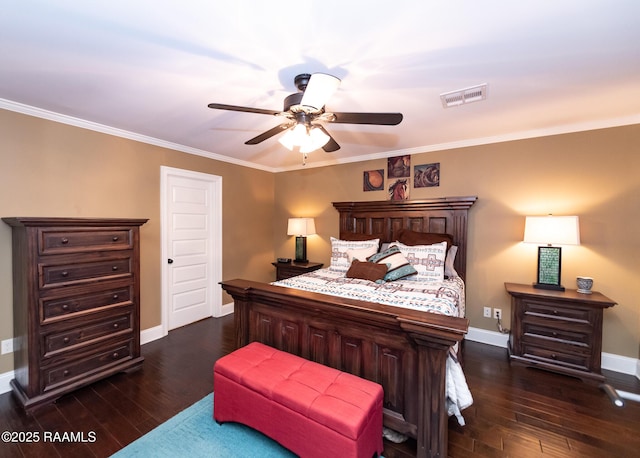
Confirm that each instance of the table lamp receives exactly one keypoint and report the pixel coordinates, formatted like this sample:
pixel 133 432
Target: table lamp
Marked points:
pixel 301 227
pixel 551 230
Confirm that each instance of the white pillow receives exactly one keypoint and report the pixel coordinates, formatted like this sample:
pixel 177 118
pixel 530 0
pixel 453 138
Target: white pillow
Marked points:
pixel 361 254
pixel 340 259
pixel 449 269
pixel 428 260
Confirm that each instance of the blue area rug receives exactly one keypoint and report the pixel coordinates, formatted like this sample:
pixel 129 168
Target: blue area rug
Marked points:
pixel 194 433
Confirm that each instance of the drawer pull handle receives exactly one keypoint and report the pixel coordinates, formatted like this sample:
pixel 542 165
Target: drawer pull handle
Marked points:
pixel 554 356
pixel 115 355
pixel 65 306
pixel 115 297
pixel 555 312
pixel 114 268
pixel 64 240
pixel 116 325
pixel 64 273
pixel 115 238
pixel 66 372
pixel 66 340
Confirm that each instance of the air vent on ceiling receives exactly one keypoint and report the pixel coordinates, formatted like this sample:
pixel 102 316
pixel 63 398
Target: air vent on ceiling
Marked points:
pixel 462 96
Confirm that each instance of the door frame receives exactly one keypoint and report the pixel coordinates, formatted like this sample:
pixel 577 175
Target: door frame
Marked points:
pixel 215 240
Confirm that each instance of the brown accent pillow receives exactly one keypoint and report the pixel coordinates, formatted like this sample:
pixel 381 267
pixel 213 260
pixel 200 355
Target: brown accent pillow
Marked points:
pixel 367 270
pixel 408 237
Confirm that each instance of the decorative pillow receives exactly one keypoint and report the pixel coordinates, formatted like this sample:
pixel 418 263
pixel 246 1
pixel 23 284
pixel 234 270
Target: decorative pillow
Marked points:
pixel 358 237
pixel 397 265
pixel 408 237
pixel 449 269
pixel 428 260
pixel 367 270
pixel 361 254
pixel 339 258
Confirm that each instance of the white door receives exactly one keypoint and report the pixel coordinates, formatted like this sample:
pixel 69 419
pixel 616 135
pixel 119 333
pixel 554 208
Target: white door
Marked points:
pixel 192 246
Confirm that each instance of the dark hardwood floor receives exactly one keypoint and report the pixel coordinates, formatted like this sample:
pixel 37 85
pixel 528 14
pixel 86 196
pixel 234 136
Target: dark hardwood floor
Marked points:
pixel 518 412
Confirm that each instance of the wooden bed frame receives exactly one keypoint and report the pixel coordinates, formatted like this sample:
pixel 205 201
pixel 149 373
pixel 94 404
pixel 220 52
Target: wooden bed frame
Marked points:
pixel 402 349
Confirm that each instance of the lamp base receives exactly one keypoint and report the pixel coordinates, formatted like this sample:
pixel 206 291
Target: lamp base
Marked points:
pixel 301 250
pixel 549 287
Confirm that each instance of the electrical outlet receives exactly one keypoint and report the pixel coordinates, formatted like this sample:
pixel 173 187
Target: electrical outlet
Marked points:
pixel 487 312
pixel 497 314
pixel 7 346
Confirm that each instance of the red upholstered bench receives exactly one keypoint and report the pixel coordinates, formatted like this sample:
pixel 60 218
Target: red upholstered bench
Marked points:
pixel 311 409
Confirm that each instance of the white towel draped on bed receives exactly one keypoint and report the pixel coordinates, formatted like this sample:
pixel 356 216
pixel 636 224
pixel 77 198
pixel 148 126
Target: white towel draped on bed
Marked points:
pixel 458 394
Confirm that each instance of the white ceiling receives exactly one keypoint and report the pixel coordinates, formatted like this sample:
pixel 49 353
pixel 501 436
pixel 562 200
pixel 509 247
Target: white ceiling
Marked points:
pixel 147 69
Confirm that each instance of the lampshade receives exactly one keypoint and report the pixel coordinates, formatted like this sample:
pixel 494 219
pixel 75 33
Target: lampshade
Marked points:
pixel 301 226
pixel 552 230
pixel 309 141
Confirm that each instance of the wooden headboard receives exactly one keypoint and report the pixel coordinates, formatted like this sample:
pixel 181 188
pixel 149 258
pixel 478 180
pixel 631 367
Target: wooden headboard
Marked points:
pixel 384 219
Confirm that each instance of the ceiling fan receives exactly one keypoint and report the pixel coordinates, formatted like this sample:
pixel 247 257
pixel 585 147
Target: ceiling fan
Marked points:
pixel 304 113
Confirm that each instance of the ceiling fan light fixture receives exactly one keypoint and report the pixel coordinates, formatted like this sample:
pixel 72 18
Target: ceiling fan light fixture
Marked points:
pixel 315 140
pixel 309 141
pixel 319 90
pixel 294 137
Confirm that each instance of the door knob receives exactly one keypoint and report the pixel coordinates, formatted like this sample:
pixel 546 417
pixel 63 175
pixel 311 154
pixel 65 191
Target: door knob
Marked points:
pixel 170 261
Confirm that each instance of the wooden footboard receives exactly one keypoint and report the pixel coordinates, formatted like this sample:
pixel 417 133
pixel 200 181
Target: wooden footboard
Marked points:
pixel 403 350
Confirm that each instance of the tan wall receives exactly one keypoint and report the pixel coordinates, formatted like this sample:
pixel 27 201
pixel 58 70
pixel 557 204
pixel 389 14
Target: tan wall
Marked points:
pixel 594 175
pixel 52 169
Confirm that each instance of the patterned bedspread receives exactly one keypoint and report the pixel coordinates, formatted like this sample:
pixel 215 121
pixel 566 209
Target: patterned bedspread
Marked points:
pixel 446 297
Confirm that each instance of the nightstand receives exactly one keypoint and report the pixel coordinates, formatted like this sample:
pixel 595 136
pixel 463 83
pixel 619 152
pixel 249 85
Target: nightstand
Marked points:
pixel 560 331
pixel 291 269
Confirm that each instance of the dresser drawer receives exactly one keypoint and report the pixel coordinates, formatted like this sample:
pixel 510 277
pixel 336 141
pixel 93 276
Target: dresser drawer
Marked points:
pixel 552 334
pixel 552 356
pixel 52 241
pixel 556 311
pixel 75 305
pixel 87 334
pixel 52 275
pixel 82 367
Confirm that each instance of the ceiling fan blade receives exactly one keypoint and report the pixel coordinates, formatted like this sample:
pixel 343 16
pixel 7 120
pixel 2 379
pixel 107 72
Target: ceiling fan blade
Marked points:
pixel 222 106
pixel 382 119
pixel 319 90
pixel 331 145
pixel 268 134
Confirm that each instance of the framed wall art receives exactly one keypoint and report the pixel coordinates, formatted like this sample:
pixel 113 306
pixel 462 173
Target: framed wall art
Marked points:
pixel 399 190
pixel 426 175
pixel 399 167
pixel 373 180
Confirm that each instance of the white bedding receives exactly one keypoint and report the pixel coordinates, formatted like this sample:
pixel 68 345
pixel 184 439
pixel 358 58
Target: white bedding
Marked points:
pixel 446 297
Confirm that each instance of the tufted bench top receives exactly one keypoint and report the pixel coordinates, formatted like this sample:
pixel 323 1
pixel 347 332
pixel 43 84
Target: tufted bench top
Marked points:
pixel 340 401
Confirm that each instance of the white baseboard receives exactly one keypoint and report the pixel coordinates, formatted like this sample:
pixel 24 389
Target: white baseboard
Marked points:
pixel 622 364
pixel 151 334
pixel 227 309
pixel 494 338
pixel 4 382
pixel 610 361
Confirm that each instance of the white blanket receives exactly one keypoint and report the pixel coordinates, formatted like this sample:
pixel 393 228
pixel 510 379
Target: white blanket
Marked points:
pixel 446 297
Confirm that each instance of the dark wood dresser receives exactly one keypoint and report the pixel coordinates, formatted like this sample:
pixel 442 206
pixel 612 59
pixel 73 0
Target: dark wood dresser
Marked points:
pixel 76 303
pixel 560 331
